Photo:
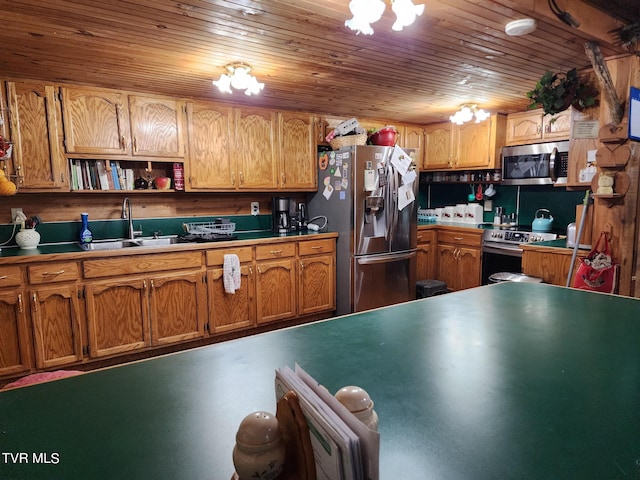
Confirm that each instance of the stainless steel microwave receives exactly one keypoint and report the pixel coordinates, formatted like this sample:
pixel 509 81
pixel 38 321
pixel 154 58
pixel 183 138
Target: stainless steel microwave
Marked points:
pixel 535 164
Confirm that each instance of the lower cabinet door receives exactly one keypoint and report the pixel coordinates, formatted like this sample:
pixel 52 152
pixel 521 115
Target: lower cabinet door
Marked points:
pixel 178 307
pixel 317 284
pixel 15 355
pixel 118 316
pixel 231 311
pixel 57 331
pixel 275 290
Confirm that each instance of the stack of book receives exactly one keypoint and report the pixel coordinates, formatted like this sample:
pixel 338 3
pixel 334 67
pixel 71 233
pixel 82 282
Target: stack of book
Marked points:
pixel 99 175
pixel 344 448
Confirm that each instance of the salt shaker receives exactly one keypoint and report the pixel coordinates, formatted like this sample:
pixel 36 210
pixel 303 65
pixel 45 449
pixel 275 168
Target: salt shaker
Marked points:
pixel 259 452
pixel 358 402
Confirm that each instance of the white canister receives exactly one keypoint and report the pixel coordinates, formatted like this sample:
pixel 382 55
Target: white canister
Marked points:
pixel 27 238
pixel 473 213
pixel 459 212
pixel 447 214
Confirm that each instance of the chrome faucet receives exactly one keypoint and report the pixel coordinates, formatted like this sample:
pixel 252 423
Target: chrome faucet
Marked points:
pixel 126 215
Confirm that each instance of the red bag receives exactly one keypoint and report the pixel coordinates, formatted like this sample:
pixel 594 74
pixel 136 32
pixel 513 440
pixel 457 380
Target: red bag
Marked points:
pixel 598 271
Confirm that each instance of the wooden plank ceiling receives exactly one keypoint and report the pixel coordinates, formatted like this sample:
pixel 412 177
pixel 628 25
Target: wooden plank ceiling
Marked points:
pixel 457 52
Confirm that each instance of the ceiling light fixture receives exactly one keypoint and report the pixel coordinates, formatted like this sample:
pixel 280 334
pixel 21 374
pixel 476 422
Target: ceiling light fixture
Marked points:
pixel 519 27
pixel 240 78
pixel 467 113
pixel 366 12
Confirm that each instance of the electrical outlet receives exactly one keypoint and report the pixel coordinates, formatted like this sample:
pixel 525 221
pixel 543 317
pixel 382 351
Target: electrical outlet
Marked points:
pixel 255 208
pixel 14 214
pixel 488 205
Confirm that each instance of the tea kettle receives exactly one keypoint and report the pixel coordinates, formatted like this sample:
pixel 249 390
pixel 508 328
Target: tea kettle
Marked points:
pixel 542 223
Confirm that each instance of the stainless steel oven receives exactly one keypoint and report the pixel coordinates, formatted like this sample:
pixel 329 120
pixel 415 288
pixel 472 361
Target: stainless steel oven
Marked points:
pixel 502 252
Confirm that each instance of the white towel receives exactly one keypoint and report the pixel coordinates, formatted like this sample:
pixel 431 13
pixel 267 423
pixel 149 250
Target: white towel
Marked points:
pixel 231 273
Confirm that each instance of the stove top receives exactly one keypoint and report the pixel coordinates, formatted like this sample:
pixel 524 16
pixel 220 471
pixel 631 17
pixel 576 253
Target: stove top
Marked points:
pixel 516 237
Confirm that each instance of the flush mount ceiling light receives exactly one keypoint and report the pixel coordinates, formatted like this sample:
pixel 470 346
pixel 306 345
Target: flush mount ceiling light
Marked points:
pixel 467 113
pixel 240 78
pixel 522 26
pixel 366 12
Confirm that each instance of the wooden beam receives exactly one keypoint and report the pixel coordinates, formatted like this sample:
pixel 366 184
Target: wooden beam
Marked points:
pixel 592 49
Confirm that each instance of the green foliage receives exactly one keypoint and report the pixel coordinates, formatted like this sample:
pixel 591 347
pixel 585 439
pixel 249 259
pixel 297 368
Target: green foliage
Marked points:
pixel 557 92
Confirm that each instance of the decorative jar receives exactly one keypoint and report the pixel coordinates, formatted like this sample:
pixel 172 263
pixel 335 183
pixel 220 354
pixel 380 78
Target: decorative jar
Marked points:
pixel 27 238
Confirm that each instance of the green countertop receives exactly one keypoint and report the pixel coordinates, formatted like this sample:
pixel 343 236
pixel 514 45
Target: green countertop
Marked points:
pixel 506 381
pixel 74 247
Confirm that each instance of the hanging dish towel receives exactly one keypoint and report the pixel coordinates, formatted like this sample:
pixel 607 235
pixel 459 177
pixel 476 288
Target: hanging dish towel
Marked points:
pixel 231 273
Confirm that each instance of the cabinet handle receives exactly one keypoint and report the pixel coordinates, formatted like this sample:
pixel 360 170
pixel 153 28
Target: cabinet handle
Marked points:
pixel 284 179
pixel 250 272
pixel 301 267
pixel 3 277
pixel 316 247
pixel 259 271
pixel 152 287
pixel 53 274
pixel 241 178
pixel 275 252
pixel 135 145
pixel 538 129
pixel 233 179
pixel 20 302
pixel 144 284
pixel 35 302
pixel 458 238
pixel 123 144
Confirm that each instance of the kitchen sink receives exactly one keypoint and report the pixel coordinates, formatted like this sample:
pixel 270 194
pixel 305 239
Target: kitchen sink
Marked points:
pixel 115 244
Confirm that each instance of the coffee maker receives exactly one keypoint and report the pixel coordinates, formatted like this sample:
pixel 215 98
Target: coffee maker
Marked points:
pixel 281 217
pixel 288 216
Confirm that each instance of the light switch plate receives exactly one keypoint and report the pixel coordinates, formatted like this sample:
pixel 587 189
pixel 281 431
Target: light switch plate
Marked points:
pixel 255 208
pixel 488 205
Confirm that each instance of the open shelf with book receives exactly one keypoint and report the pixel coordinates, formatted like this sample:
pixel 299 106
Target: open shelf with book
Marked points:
pixel 87 175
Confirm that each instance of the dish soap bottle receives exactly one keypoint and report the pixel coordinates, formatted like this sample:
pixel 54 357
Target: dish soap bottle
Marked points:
pixel 85 233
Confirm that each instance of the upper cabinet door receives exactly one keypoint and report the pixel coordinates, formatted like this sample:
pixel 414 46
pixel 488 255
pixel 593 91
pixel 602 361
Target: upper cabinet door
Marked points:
pixel 156 126
pixel 439 147
pixel 472 144
pixel 298 151
pixel 37 152
pixel 413 137
pixel 96 121
pixel 209 133
pixel 255 149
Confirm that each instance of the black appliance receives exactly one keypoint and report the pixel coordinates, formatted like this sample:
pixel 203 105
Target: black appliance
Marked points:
pixel 501 250
pixel 536 164
pixel 281 216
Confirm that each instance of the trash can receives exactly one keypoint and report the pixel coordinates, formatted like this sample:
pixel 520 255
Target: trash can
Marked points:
pixel 429 288
pixel 512 277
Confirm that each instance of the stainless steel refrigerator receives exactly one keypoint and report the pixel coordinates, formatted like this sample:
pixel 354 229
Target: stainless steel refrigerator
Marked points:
pixel 369 196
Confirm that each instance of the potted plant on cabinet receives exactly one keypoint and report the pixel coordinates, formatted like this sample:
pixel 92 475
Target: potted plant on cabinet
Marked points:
pixel 557 92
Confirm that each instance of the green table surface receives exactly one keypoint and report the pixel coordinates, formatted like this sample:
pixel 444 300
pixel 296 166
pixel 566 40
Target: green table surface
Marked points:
pixel 507 381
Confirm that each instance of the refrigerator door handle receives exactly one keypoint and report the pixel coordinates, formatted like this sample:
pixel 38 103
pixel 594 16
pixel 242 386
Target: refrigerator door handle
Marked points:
pixel 384 258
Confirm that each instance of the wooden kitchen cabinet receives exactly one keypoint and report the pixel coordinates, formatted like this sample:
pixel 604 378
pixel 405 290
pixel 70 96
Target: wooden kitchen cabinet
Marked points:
pixel 255 150
pixel 548 263
pixel 15 351
pixel 37 151
pixel 231 311
pixel 297 156
pixel 466 147
pixel 117 316
pixel 413 137
pixel 317 271
pixel 276 286
pixel 439 146
pixel 123 313
pixel 157 125
pixel 459 257
pixel 57 325
pixel 210 162
pixel 426 258
pixel 96 121
pixel 534 126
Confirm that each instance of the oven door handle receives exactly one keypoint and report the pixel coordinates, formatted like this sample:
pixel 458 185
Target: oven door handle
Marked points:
pixel 511 252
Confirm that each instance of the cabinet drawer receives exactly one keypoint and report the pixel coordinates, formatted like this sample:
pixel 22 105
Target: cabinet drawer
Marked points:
pixel 460 238
pixel 275 250
pixel 141 264
pixel 10 276
pixel 426 236
pixel 216 257
pixel 316 246
pixel 53 272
